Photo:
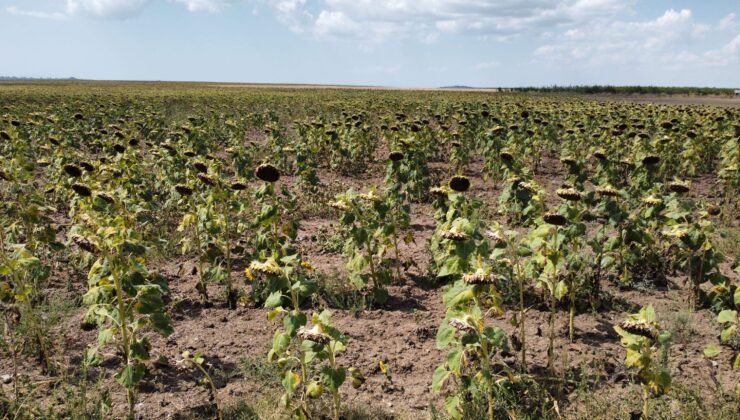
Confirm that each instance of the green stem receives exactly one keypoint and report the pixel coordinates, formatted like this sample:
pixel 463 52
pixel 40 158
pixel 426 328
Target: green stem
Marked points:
pixel 520 282
pixel 122 324
pixel 334 390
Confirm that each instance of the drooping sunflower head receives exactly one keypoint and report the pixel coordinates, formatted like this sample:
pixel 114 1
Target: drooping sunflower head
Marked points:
pixel 679 187
pixel 569 194
pixel 183 190
pixel 395 156
pixel 82 190
pixel 267 172
pixel 459 183
pixel 72 170
pixel 555 219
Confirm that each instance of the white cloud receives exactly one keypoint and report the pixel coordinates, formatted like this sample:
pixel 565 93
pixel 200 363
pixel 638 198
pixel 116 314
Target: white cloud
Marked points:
pixel 725 55
pixel 211 6
pixel 379 20
pixel 116 9
pixel 728 22
pixel 622 43
pixel 108 9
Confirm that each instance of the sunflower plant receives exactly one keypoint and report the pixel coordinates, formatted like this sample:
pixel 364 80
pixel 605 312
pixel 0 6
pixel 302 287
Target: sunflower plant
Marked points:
pixel 648 350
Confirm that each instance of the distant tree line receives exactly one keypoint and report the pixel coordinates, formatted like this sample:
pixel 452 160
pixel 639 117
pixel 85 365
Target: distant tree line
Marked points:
pixel 600 89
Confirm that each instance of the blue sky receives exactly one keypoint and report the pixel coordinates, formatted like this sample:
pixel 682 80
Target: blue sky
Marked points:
pixel 411 43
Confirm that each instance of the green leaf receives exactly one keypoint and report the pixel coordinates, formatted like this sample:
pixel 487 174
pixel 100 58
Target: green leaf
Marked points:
pixel 438 379
pixel 727 333
pixel 130 375
pixel 454 358
pixel 292 321
pixel 140 349
pixel 274 300
pixel 149 299
pixel 333 378
pixel 161 323
pixel 561 289
pixel 711 351
pixel 445 335
pixel 452 404
pixel 727 316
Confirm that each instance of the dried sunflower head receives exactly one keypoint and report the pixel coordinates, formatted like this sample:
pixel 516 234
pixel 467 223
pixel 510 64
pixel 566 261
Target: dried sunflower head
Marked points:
pixel 395 155
pixel 238 186
pixel 639 327
pixel 650 160
pixel 315 334
pixel 438 191
pixel 600 155
pixel 555 219
pixel 506 156
pixel 206 179
pixel 454 234
pixel 679 187
pixel 267 172
pixel 651 200
pixel 480 276
pixel 105 197
pixel 269 267
pixel 570 194
pixel 459 183
pixel 200 167
pixel 84 243
pixel 607 191
pixel 462 326
pixel 528 186
pixel 183 190
pixel 568 160
pixel 82 190
pixel 73 170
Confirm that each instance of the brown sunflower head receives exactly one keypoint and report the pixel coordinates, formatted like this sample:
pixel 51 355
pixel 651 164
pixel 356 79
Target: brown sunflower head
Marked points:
pixel 206 179
pixel 640 328
pixel 395 156
pixel 84 243
pixel 459 183
pixel 462 325
pixel 238 186
pixel 82 190
pixel 650 160
pixel 607 191
pixel 183 190
pixel 569 194
pixel 555 219
pixel 105 197
pixel 679 187
pixel 200 167
pixel 73 170
pixel 267 172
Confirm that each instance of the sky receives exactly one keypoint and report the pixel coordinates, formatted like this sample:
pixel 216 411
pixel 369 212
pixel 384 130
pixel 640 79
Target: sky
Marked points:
pixel 401 43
